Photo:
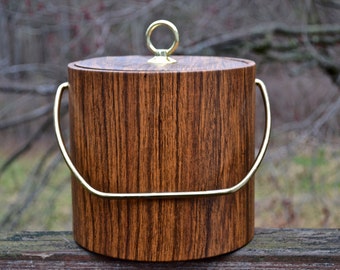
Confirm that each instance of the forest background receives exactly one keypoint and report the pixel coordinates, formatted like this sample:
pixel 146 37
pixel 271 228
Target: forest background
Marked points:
pixel 295 44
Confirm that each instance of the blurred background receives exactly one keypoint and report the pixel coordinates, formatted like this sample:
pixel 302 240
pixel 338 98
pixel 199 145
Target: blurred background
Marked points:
pixel 295 44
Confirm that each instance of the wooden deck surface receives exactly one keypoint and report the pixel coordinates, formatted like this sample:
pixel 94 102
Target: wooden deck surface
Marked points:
pixel 270 249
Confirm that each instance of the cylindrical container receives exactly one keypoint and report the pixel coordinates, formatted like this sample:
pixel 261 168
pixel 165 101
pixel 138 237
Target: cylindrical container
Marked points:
pixel 140 128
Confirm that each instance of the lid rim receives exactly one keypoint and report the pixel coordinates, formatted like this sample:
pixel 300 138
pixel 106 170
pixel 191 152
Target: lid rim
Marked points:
pixel 139 64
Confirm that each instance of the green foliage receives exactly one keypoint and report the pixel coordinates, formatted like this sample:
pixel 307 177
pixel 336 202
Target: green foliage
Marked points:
pixel 311 161
pixel 37 196
pixel 300 191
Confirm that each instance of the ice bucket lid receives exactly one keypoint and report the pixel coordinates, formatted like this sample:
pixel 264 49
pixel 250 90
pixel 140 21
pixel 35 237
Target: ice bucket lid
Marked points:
pixel 136 63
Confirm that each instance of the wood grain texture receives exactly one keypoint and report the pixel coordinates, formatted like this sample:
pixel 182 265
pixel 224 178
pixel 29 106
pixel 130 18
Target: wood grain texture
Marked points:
pixel 172 128
pixel 270 249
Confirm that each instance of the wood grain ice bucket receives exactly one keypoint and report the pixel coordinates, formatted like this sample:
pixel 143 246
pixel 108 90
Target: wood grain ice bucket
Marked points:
pixel 162 156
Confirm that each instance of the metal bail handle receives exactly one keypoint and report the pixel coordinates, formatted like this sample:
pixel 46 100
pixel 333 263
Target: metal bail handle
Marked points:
pixel 163 195
pixel 162 55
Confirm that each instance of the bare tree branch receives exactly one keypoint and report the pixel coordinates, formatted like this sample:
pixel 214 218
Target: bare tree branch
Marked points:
pixel 314 122
pixel 24 88
pixel 26 146
pixel 260 31
pixel 27 117
pixel 29 142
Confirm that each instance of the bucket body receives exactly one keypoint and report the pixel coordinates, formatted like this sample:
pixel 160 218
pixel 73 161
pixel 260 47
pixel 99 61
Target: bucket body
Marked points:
pixel 136 127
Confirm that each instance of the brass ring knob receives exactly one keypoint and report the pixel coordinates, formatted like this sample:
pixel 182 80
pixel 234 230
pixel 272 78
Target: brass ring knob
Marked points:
pixel 162 55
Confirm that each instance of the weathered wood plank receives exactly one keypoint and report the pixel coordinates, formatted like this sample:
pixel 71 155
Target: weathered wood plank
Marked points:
pixel 270 249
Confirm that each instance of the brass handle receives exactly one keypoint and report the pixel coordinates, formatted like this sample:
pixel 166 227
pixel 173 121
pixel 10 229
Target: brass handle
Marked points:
pixel 162 55
pixel 163 195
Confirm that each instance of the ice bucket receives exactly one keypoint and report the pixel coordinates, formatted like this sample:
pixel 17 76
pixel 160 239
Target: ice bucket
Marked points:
pixel 162 153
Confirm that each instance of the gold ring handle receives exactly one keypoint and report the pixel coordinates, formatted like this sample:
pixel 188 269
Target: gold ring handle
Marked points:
pixel 164 195
pixel 162 55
